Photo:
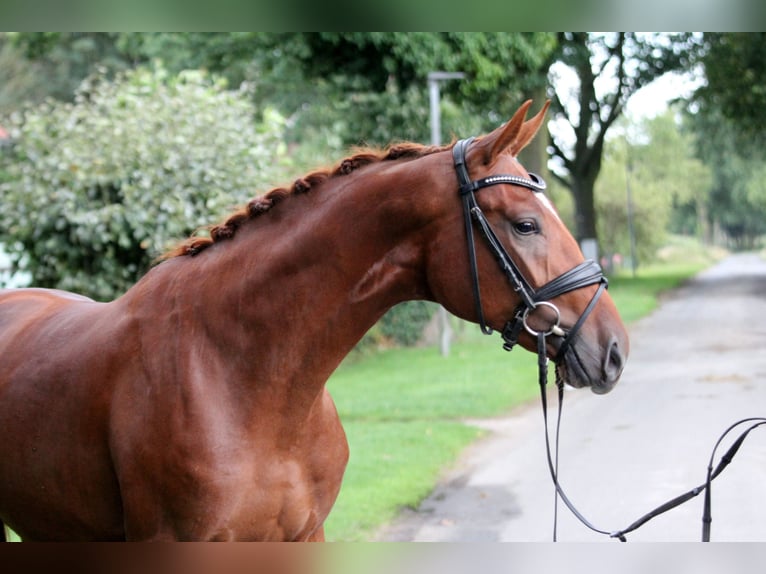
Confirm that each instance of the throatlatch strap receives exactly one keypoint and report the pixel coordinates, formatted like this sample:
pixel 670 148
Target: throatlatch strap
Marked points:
pixel 467 200
pixel 469 204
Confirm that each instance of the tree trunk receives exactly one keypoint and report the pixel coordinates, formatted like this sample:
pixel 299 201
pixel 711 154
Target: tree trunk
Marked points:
pixel 585 208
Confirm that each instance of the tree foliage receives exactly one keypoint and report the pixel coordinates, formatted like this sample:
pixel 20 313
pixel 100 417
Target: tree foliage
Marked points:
pixel 62 60
pixel 373 86
pixel 656 160
pixel 735 70
pixel 729 119
pixel 737 201
pixel 21 79
pixel 367 86
pixel 98 187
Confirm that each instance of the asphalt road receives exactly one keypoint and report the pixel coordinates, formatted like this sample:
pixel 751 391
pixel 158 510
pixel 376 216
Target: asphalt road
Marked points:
pixel 697 365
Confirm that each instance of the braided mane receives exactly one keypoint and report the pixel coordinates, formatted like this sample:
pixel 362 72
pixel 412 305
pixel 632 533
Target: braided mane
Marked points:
pixel 255 207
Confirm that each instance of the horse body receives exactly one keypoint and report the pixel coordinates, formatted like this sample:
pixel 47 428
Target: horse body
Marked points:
pixel 194 406
pixel 188 386
pixel 150 447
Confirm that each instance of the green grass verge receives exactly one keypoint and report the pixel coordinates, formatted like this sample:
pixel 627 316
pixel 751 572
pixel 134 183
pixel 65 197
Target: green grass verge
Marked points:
pixel 402 411
pixel 396 464
pixel 402 408
pixel 638 296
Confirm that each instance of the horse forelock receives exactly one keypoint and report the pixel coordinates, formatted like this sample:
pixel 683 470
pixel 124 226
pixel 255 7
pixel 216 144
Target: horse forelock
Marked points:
pixel 261 204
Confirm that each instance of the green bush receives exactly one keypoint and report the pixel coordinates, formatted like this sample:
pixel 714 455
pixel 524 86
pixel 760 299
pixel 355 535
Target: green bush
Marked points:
pixel 405 322
pixel 97 188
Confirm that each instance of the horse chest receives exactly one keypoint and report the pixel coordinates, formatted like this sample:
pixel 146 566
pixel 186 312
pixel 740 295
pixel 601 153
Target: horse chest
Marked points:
pixel 269 482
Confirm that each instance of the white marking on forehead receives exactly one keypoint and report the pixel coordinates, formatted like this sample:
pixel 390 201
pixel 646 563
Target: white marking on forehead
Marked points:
pixel 541 196
pixel 547 203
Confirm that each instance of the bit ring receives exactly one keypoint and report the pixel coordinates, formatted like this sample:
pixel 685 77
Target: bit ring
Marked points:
pixel 554 328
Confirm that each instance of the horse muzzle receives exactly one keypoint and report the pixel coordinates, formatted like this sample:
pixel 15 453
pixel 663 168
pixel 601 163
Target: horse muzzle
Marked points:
pixel 599 369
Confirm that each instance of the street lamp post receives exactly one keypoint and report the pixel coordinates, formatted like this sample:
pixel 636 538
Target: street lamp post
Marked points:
pixel 445 332
pixel 629 200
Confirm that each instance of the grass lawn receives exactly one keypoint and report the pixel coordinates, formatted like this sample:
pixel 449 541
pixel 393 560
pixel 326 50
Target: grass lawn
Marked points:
pixel 403 408
pixel 402 413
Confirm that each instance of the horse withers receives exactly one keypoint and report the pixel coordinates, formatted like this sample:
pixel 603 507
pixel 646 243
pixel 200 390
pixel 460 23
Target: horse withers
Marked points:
pixel 194 406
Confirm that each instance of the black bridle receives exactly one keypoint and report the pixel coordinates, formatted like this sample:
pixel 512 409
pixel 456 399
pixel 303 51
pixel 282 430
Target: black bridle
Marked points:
pixel 582 275
pixel 586 273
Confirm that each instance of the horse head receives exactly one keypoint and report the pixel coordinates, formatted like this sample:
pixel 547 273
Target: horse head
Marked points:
pixel 524 274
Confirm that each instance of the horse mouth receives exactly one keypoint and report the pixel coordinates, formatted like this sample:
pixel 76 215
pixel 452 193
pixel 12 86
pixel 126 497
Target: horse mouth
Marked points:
pixel 573 372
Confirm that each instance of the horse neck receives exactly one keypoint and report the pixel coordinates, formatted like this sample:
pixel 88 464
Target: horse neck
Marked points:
pixel 297 287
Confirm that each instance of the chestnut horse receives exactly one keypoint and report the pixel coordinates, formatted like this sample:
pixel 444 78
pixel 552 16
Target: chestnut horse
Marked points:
pixel 194 406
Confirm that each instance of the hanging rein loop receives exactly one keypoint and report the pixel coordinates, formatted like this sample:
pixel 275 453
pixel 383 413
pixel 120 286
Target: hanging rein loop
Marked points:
pixel 586 273
pixel 712 472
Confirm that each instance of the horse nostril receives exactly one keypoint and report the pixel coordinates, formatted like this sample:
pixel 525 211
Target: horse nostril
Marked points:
pixel 614 361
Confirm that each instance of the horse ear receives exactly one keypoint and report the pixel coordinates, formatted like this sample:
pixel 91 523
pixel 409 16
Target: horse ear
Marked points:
pixel 529 130
pixel 491 145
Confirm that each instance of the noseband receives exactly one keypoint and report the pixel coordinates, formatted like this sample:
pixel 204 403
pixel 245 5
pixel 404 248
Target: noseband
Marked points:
pixel 586 273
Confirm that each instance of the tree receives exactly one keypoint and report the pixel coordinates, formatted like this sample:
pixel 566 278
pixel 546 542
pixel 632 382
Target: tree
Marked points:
pixel 657 160
pixel 62 60
pixel 735 70
pixel 21 80
pixel 608 69
pixel 737 201
pixel 95 189
pixel 376 82
pixel 339 88
pixel 730 111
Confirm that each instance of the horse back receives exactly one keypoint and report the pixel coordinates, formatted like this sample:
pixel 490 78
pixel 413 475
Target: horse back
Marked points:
pixel 54 408
pixel 35 323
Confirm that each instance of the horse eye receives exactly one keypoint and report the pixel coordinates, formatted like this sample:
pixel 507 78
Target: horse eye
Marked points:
pixel 525 227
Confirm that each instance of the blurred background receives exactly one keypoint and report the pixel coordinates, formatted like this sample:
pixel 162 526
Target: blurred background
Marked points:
pixel 115 145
